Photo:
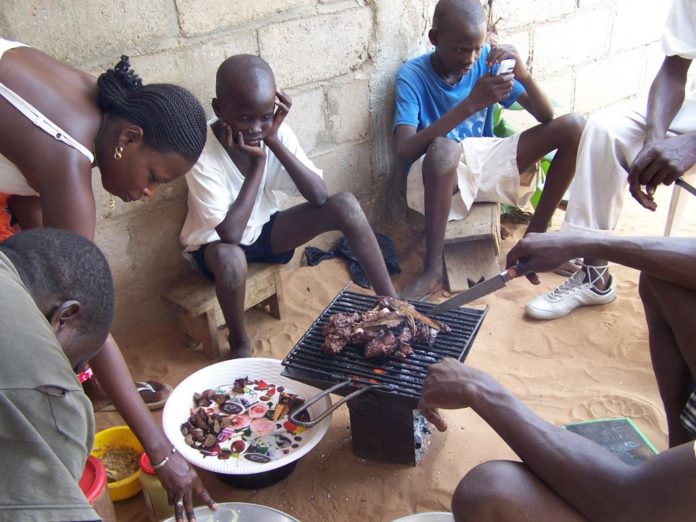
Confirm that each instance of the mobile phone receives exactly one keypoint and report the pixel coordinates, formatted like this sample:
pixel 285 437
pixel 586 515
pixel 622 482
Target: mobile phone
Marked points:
pixel 504 67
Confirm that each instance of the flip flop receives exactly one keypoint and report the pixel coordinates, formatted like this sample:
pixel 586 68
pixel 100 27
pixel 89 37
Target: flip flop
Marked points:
pixel 153 393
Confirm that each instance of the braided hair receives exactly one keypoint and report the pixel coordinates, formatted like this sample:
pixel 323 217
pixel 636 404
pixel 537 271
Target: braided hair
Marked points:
pixel 170 116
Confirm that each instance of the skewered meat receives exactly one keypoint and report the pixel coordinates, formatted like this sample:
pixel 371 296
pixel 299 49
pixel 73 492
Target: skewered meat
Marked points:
pixel 388 329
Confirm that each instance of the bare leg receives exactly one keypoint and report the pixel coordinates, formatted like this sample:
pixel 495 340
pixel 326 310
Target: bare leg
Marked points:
pixel 228 263
pixel 670 311
pixel 440 182
pixel 563 135
pixel 297 225
pixel 504 490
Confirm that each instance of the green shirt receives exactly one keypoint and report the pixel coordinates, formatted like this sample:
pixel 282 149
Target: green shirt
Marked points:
pixel 46 420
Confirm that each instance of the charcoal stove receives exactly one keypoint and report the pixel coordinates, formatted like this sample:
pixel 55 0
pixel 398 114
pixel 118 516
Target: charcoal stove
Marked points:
pixel 383 422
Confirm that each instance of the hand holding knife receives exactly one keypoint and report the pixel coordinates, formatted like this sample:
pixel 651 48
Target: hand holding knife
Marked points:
pixel 477 291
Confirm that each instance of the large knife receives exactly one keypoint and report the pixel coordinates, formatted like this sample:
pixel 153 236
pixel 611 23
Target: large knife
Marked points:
pixel 686 186
pixel 477 291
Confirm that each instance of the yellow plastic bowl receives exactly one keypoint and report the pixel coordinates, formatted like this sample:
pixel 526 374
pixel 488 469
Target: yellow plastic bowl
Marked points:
pixel 118 437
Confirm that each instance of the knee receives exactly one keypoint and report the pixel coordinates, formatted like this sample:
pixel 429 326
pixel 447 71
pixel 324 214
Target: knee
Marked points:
pixel 346 207
pixel 571 127
pixel 483 493
pixel 228 263
pixel 442 157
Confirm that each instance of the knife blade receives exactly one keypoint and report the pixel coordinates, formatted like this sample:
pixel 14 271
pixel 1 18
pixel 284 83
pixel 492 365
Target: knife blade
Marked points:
pixel 477 291
pixel 686 186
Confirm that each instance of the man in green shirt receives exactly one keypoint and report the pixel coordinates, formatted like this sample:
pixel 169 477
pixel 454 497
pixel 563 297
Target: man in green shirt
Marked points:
pixel 56 307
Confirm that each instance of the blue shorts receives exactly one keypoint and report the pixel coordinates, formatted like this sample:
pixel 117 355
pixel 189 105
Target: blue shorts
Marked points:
pixel 259 251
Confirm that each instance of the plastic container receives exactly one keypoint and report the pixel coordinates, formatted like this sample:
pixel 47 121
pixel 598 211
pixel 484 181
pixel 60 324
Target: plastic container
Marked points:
pixel 153 491
pixel 119 437
pixel 92 483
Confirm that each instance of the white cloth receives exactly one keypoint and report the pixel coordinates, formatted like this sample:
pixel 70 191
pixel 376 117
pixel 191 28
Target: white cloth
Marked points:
pixel 215 182
pixel 487 172
pixel 612 139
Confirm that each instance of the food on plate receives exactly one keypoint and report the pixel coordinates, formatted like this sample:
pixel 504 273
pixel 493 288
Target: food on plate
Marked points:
pixel 389 328
pixel 243 420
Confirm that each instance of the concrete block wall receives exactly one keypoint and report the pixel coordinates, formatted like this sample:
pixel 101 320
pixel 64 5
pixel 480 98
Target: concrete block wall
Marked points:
pixel 336 59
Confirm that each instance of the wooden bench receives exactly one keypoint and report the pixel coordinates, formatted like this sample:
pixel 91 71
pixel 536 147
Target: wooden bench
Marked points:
pixel 199 313
pixel 472 246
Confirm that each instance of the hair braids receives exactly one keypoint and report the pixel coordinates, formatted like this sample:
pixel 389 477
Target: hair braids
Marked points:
pixel 172 119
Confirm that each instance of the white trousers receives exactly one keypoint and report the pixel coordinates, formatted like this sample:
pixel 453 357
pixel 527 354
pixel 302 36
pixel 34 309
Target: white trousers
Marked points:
pixel 610 142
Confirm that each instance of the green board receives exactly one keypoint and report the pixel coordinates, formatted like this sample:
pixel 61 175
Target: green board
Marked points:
pixel 620 436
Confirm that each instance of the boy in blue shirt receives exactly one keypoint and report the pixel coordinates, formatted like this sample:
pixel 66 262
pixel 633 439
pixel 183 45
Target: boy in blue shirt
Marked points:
pixel 443 129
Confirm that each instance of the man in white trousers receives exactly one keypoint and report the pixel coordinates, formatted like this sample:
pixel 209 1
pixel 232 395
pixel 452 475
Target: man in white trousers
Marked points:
pixel 639 148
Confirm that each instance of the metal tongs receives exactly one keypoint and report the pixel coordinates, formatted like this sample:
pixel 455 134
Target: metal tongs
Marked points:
pixel 310 423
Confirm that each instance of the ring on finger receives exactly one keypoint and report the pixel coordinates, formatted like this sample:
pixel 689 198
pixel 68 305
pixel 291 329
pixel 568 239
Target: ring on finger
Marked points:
pixel 179 503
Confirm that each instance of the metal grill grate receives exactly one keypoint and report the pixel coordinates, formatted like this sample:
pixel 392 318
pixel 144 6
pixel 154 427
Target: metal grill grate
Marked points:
pixel 403 376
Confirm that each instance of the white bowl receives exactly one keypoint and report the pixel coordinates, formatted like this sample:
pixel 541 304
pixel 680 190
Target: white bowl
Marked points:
pixel 434 516
pixel 239 512
pixel 223 374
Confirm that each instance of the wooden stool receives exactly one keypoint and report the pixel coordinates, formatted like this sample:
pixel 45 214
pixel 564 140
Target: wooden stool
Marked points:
pixel 200 315
pixel 472 246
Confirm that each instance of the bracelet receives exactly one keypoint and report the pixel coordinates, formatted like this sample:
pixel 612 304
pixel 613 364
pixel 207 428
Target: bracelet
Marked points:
pixel 164 461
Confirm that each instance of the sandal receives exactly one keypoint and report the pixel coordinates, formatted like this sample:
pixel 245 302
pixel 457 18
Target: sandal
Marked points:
pixel 153 393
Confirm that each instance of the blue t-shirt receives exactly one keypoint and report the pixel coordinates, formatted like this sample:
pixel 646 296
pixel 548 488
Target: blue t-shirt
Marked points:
pixel 422 97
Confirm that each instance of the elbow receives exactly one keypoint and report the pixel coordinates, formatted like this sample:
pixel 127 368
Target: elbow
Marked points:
pixel 402 153
pixel 320 199
pixel 545 116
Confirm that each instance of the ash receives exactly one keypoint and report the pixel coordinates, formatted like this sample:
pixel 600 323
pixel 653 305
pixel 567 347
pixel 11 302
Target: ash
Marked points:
pixel 422 434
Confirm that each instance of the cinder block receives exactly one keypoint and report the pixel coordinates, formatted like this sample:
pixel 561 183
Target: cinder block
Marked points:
pixel 310 49
pixel 307 117
pixel 347 169
pixel 349 111
pixel 559 89
pixel 571 41
pixel 204 16
pixel 194 66
pixel 519 40
pixel 638 22
pixel 114 238
pixel 609 81
pixel 518 13
pixel 77 32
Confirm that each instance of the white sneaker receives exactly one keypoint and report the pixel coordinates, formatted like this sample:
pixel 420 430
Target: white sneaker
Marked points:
pixel 574 292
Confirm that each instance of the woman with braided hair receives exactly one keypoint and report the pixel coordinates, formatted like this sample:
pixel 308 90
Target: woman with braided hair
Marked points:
pixel 56 124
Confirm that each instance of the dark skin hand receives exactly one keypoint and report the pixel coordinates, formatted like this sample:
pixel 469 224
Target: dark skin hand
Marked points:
pixel 666 258
pixel 591 480
pixel 663 159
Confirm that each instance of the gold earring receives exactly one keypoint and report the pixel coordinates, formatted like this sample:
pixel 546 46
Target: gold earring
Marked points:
pixel 119 153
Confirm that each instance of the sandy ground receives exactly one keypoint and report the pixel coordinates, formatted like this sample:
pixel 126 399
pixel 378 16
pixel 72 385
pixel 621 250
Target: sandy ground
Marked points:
pixel 591 364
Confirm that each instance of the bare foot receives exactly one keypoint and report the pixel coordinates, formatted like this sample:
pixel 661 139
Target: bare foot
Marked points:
pixel 239 348
pixel 423 287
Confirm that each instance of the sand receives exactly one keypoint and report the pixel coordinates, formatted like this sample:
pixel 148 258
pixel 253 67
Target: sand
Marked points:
pixel 591 364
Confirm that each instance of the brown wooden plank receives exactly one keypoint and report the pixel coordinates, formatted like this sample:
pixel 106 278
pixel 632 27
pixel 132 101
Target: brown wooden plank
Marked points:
pixel 482 222
pixel 470 260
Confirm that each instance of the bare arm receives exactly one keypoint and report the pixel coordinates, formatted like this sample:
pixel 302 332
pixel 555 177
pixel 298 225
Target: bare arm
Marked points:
pixel 663 159
pixel 590 478
pixel 533 99
pixel 668 258
pixel 231 229
pixel 311 186
pixel 177 476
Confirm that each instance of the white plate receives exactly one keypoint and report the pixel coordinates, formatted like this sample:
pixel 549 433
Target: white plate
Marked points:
pixel 177 410
pixel 239 512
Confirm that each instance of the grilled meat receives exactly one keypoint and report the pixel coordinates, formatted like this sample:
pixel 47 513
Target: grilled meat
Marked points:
pixel 388 329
